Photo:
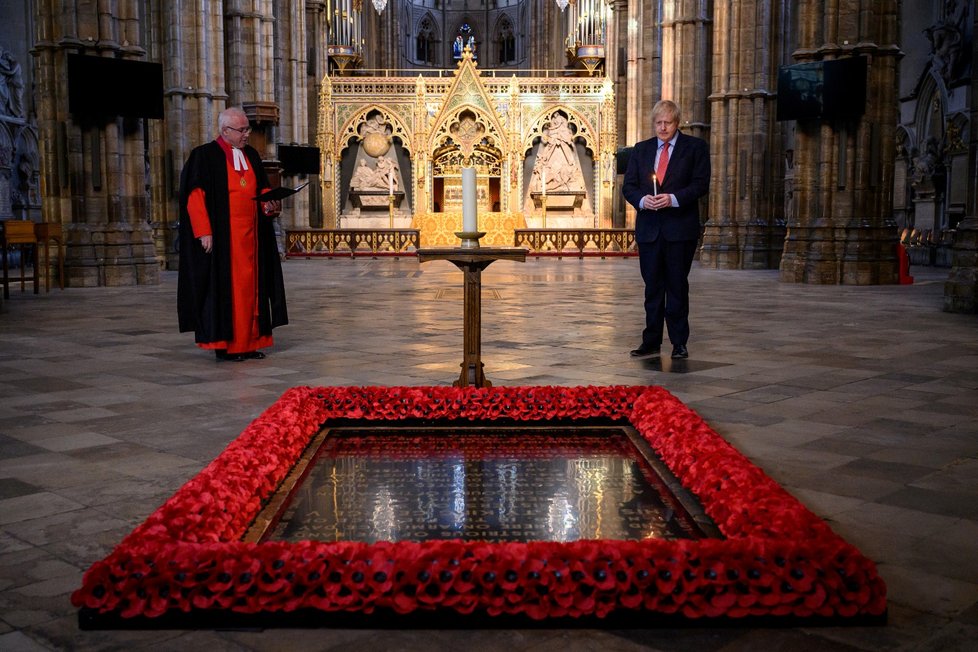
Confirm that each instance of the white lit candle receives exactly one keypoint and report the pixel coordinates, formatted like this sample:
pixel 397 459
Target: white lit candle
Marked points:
pixel 543 181
pixel 390 183
pixel 470 222
pixel 655 185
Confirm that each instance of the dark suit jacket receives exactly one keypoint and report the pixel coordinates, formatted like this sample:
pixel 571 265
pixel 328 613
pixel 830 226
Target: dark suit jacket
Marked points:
pixel 687 177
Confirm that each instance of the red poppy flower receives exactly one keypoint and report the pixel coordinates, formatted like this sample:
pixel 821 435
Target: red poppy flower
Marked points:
pixel 778 557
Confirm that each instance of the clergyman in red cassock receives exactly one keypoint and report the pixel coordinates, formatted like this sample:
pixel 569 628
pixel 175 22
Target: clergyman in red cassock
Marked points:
pixel 230 290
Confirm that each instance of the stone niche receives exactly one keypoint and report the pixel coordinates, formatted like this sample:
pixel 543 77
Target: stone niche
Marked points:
pixel 559 200
pixel 375 200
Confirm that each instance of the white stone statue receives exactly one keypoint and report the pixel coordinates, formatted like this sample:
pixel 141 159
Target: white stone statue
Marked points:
pixel 557 157
pixel 363 176
pixel 381 177
pixel 11 86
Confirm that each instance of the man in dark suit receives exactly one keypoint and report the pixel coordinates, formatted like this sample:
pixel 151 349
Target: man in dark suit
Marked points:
pixel 665 178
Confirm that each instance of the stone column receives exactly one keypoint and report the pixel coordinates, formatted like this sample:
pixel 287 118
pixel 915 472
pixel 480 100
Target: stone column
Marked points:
pixel 844 230
pixel 331 171
pixel 544 29
pixel 746 227
pixel 316 36
pixel 189 40
pixel 291 91
pixel 961 287
pixel 419 158
pixel 93 178
pixel 384 41
pixel 605 166
pixel 643 73
pixel 250 49
pixel 685 51
pixel 514 131
pixel 643 76
pixel 617 70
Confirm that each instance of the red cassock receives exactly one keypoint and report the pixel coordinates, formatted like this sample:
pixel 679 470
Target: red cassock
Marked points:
pixel 238 295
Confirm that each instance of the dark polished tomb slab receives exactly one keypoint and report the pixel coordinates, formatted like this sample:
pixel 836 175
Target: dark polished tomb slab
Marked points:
pixel 499 484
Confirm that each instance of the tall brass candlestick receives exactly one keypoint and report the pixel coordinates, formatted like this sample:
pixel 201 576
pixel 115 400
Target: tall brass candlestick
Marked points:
pixel 390 205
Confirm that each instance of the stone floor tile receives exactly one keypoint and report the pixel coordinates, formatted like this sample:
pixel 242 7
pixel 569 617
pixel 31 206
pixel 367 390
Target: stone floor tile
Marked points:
pixel 31 506
pixel 820 385
pixel 20 642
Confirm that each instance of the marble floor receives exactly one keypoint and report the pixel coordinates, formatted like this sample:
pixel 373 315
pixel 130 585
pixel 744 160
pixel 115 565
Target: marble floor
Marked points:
pixel 861 401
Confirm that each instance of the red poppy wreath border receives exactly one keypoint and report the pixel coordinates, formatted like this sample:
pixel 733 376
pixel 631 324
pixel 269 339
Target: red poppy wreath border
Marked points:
pixel 778 558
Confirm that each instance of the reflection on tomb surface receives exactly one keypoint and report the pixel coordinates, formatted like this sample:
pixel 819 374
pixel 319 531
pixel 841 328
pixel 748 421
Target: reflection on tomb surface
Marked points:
pixel 481 486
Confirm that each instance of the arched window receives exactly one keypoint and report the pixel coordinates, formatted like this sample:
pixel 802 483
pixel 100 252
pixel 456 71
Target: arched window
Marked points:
pixel 464 38
pixel 505 42
pixel 425 41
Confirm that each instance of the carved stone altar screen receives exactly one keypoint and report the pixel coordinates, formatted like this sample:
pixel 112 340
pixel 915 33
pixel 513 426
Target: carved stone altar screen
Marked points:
pixel 524 134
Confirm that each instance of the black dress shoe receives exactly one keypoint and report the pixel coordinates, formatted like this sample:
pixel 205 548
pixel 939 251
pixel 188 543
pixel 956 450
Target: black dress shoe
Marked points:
pixel 253 355
pixel 644 350
pixel 222 354
pixel 679 351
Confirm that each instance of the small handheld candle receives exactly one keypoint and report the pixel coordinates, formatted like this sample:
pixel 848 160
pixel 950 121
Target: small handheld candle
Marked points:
pixel 655 185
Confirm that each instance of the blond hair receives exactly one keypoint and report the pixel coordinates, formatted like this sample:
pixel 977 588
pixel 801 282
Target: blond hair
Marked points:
pixel 666 106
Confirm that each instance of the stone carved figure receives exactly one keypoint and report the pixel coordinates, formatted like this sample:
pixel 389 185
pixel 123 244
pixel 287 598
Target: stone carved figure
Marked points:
pixel 362 176
pixel 375 125
pixel 947 39
pixel 557 157
pixel 925 165
pixel 25 190
pixel 375 136
pixel 386 174
pixel 11 86
pixel 381 177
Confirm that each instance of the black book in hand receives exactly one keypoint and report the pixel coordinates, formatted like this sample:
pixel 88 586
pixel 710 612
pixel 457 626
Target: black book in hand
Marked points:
pixel 280 193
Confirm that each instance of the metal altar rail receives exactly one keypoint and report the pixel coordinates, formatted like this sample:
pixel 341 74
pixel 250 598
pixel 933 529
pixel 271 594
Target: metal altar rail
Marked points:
pixel 311 243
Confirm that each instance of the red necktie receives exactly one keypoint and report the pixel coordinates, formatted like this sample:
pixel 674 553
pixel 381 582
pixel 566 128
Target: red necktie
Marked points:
pixel 660 170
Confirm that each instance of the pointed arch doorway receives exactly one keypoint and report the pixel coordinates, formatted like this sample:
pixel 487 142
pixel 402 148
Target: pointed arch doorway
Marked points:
pixel 449 157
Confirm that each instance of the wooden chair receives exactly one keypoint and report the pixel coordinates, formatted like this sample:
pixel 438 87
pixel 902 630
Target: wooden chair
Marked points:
pixel 47 233
pixel 20 234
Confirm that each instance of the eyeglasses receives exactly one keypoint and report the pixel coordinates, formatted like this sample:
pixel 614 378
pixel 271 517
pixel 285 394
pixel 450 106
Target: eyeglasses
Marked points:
pixel 241 130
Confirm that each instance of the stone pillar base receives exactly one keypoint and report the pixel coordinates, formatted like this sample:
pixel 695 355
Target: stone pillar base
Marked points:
pixel 961 287
pixel 165 238
pixel 720 249
pixel 870 254
pixel 763 246
pixel 857 254
pixel 760 247
pixel 115 254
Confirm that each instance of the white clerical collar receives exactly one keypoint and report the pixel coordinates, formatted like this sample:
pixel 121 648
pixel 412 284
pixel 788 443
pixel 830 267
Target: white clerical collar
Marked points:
pixel 240 162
